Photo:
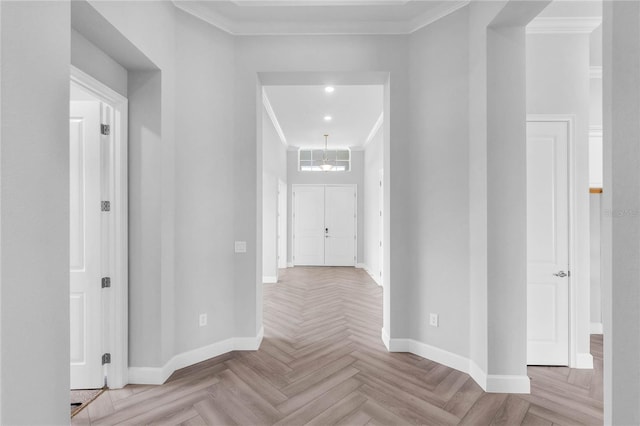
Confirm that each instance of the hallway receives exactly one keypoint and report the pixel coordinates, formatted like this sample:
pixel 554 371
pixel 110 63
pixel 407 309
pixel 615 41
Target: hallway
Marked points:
pixel 322 362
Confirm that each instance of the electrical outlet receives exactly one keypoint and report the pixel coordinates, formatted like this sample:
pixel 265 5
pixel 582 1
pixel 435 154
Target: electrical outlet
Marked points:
pixel 433 320
pixel 241 246
pixel 203 320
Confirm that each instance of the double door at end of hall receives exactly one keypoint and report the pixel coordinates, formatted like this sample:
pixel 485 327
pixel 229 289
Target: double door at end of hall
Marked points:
pixel 324 225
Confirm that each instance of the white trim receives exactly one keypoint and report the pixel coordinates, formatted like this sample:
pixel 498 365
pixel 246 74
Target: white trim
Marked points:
pixel 371 273
pixel 385 338
pixel 325 27
pixel 596 328
pixel 555 25
pixel 117 299
pixel 508 384
pixel 489 383
pixel 595 131
pixel 374 130
pixel 269 280
pixel 159 375
pixel 274 119
pixel 595 71
pixel 446 8
pixel 290 265
pixel 583 360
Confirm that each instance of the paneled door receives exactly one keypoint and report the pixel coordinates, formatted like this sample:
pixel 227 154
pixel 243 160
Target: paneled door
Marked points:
pixel 339 221
pixel 85 243
pixel 308 219
pixel 324 218
pixel 547 243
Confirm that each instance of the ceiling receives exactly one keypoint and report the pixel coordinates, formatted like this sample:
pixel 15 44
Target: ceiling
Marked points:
pixel 259 17
pixel 300 110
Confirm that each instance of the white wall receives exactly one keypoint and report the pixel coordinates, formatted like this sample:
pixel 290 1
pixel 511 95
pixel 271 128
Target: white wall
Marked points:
pixel 372 237
pixel 274 163
pixel 34 212
pixel 437 193
pixel 558 83
pixel 354 177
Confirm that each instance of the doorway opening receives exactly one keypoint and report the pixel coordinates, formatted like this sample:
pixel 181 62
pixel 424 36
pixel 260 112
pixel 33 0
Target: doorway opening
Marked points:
pixel 296 112
pixel 98 235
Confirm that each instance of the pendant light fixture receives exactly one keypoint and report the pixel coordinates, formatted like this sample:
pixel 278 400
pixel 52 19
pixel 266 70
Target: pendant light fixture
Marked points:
pixel 325 166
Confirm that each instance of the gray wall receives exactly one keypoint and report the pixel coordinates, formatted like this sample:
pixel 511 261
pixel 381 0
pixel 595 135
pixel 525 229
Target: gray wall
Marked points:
pixel 373 163
pixel 355 177
pixel 90 59
pixel 438 189
pixel 34 212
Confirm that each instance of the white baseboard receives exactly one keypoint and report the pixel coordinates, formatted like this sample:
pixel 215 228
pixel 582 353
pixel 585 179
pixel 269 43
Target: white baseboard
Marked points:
pixel 488 382
pixel 159 375
pixel 290 265
pixel 269 280
pixel 385 338
pixel 497 383
pixel 583 360
pixel 596 328
pixel 371 274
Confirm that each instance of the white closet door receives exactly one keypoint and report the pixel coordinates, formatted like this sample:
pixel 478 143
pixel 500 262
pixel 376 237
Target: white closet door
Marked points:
pixel 340 225
pixel 547 244
pixel 309 232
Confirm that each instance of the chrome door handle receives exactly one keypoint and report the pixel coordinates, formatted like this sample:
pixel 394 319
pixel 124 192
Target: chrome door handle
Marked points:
pixel 561 274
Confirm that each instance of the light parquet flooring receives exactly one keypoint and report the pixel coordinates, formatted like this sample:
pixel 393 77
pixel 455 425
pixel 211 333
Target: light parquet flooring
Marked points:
pixel 322 363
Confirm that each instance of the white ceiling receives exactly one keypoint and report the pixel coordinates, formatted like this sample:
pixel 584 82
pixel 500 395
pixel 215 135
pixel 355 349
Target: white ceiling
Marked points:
pixel 300 112
pixel 258 17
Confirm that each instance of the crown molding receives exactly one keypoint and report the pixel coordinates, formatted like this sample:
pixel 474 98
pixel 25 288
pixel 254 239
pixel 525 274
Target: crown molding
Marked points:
pixel 446 8
pixel 239 28
pixel 374 130
pixel 563 25
pixel 274 119
pixel 266 3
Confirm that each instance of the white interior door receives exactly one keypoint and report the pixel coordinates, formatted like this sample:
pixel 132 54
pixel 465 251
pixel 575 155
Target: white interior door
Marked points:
pixel 340 222
pixel 547 243
pixel 308 219
pixel 85 253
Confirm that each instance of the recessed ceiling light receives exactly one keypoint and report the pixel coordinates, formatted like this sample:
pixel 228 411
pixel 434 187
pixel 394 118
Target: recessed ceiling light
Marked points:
pixel 327 118
pixel 329 89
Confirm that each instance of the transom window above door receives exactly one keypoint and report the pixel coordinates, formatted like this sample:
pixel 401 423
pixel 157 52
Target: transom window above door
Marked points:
pixel 311 160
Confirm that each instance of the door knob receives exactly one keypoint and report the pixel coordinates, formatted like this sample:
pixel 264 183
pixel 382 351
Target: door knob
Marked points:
pixel 326 230
pixel 561 274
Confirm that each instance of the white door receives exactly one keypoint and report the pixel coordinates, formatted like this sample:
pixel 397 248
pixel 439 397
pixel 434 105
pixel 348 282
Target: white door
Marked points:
pixel 324 219
pixel 547 243
pixel 309 232
pixel 282 224
pixel 85 242
pixel 340 221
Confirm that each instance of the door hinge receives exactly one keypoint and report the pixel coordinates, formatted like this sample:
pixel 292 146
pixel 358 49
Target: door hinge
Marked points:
pixel 105 129
pixel 106 358
pixel 106 282
pixel 105 206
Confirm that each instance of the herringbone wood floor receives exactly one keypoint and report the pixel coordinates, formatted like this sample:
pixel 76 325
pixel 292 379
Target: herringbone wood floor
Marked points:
pixel 322 362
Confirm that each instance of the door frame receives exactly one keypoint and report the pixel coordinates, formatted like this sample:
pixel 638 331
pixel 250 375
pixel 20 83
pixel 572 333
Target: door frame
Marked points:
pixel 324 185
pixel 115 301
pixel 576 265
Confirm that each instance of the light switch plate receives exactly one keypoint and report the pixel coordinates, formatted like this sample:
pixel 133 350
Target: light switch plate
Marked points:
pixel 241 246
